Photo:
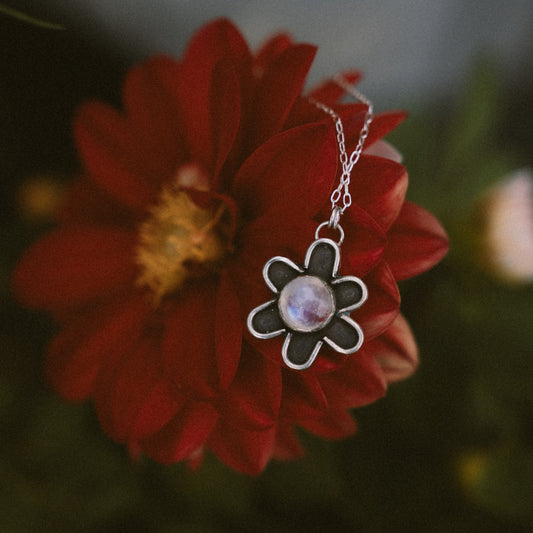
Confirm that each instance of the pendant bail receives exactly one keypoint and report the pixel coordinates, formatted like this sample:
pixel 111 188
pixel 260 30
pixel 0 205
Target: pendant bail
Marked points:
pixel 332 223
pixel 336 213
pixel 327 224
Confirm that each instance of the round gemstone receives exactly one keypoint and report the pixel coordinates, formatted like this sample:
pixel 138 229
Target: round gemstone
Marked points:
pixel 306 304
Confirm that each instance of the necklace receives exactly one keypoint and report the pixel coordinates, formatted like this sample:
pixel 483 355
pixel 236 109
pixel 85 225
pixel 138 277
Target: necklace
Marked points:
pixel 312 302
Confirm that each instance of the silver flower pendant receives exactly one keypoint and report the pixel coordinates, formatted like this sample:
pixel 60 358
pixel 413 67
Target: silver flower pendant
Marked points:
pixel 311 305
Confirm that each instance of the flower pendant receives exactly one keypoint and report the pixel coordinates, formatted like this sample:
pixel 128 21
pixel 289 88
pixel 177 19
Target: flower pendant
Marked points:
pixel 311 305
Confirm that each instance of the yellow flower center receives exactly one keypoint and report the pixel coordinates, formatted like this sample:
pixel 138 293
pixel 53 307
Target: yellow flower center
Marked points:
pixel 181 240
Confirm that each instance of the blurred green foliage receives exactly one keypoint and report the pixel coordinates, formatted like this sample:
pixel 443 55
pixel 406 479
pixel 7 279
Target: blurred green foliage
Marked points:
pixel 451 450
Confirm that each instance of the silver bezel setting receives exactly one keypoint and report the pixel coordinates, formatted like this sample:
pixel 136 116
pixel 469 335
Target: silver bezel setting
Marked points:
pixel 253 331
pixel 341 313
pixel 270 262
pixel 305 365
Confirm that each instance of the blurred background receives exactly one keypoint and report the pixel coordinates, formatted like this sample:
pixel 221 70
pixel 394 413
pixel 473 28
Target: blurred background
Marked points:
pixel 449 450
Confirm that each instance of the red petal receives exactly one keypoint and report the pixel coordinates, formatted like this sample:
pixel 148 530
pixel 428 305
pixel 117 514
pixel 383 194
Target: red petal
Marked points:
pixel 268 348
pixel 159 406
pixel 365 242
pixel 329 92
pixel 76 354
pixel 215 41
pixel 245 451
pixel 70 267
pixel 140 398
pixel 395 351
pixel 228 330
pixel 183 435
pixel 269 51
pixel 381 125
pixel 328 360
pixel 359 382
pixel 113 156
pixel 224 111
pixel 303 397
pixel 335 424
pixel 293 171
pixel 378 186
pixel 189 353
pixel 151 101
pixel 110 370
pixel 279 88
pixel 416 242
pixel 195 459
pixel 253 400
pixel 383 303
pixel 288 446
pixel 87 204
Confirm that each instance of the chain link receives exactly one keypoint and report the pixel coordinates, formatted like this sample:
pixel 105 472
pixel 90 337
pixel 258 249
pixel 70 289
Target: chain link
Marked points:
pixel 342 192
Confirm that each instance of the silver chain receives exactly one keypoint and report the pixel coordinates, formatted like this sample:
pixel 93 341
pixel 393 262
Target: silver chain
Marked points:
pixel 342 192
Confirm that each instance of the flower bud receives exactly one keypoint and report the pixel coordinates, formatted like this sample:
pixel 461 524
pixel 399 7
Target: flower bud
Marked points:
pixel 506 228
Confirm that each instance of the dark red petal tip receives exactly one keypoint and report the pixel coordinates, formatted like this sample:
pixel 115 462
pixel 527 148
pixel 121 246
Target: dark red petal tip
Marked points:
pixel 186 433
pixel 395 351
pixel 244 450
pixel 269 51
pixel 382 307
pixel 379 186
pixel 279 88
pixel 416 242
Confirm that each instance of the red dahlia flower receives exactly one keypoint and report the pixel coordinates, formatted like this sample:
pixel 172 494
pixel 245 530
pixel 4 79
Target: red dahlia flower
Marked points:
pixel 216 164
